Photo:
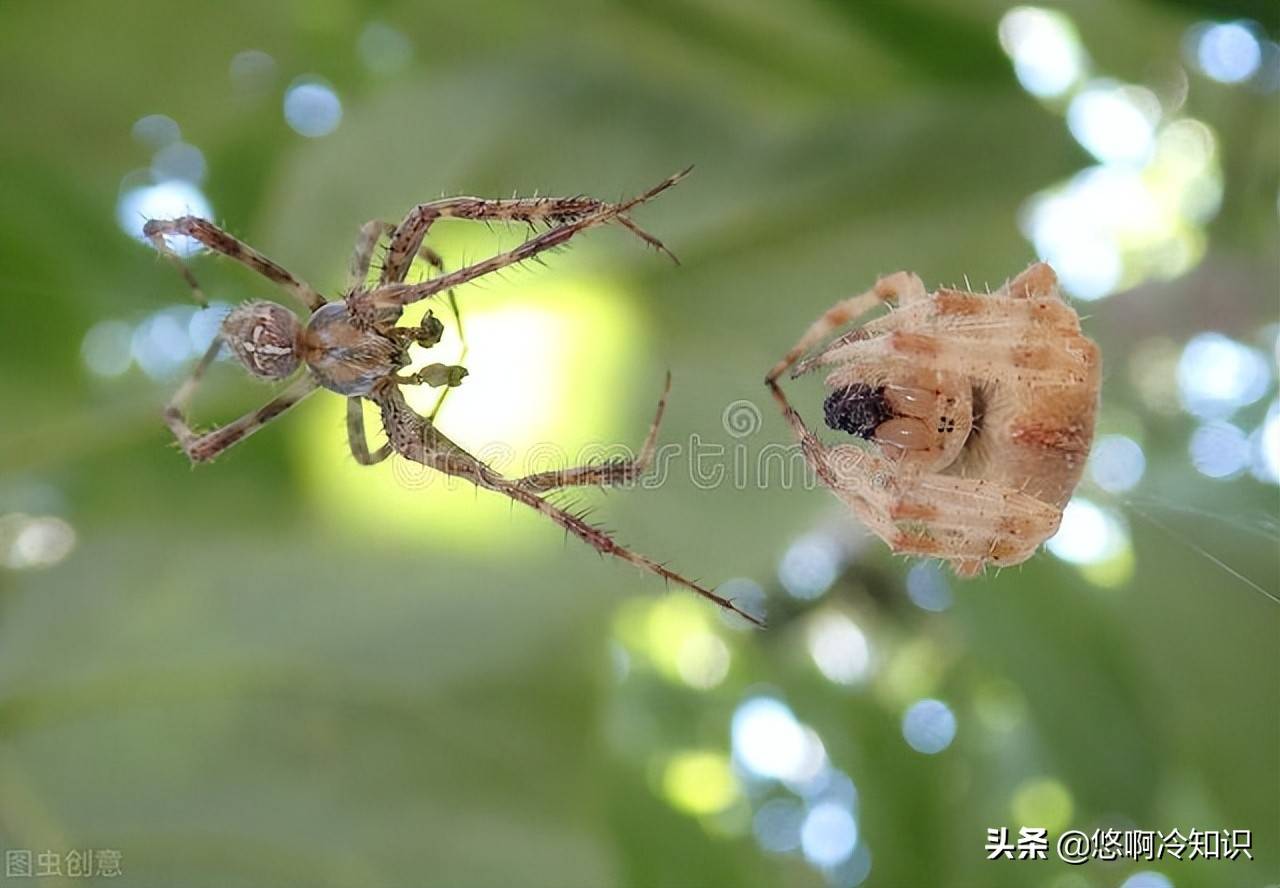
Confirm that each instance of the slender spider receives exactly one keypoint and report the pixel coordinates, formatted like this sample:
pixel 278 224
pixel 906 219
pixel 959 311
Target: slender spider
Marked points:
pixel 353 347
pixel 981 408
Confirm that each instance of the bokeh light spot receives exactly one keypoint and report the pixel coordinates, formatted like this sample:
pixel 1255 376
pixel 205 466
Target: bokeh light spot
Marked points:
pixel 312 108
pixel 179 160
pixel 1229 52
pixel 1114 123
pixel 156 131
pixel 777 825
pixel 1117 463
pixel 1217 375
pixel 29 542
pixel 161 344
pixel 1266 447
pixel 927 587
pixel 1219 450
pixel 999 706
pixel 748 596
pixel 1042 801
pixel 809 566
pixel 839 648
pixel 854 871
pixel 1089 534
pixel 702 660
pixel 929 726
pixel 252 71
pixel 828 835
pixel 165 200
pixel 384 49
pixel 1147 879
pixel 768 740
pixel 106 348
pixel 1046 52
pixel 699 782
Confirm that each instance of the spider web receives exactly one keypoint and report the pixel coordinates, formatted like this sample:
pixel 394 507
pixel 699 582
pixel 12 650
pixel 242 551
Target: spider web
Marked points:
pixel 1261 527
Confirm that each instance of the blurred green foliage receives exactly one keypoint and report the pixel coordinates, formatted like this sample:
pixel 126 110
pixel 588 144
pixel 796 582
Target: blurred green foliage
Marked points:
pixel 234 683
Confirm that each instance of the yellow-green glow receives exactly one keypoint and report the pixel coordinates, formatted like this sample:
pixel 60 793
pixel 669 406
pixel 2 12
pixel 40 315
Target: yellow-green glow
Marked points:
pixel 683 645
pixel 699 782
pixel 678 636
pixel 913 672
pixel 551 360
pixel 1115 570
pixel 1042 801
pixel 999 705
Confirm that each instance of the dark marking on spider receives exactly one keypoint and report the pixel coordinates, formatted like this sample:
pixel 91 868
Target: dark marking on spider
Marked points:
pixel 857 409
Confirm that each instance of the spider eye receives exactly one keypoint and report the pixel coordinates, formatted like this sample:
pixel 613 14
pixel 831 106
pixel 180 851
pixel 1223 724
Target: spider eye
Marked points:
pixel 263 336
pixel 857 409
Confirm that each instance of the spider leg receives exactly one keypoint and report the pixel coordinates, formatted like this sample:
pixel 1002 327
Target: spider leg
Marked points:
pixel 203 447
pixel 398 295
pixel 534 211
pixel 220 241
pixel 357 439
pixel 362 256
pixel 967 521
pixel 605 544
pixel 416 439
pixel 609 473
pixel 1002 356
pixel 901 286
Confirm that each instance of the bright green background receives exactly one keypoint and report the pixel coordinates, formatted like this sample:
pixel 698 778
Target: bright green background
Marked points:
pixel 251 675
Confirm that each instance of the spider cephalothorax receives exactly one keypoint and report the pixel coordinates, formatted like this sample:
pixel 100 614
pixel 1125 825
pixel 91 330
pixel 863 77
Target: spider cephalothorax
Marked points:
pixel 353 346
pixel 908 382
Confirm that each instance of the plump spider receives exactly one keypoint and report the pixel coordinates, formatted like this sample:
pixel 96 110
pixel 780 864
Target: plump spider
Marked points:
pixel 981 406
pixel 352 346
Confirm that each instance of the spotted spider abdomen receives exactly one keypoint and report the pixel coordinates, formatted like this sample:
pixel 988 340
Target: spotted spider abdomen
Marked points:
pixel 263 337
pixel 857 409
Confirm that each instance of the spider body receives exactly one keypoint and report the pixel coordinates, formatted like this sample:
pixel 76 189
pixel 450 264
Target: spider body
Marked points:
pixel 349 358
pixel 354 347
pixel 979 409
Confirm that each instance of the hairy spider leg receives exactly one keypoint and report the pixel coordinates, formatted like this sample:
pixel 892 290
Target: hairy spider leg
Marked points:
pixel 613 472
pixel 362 256
pixel 901 286
pixel 416 439
pixel 203 447
pixel 980 521
pixel 220 241
pixel 550 211
pixel 396 296
pixel 356 438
